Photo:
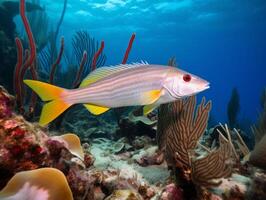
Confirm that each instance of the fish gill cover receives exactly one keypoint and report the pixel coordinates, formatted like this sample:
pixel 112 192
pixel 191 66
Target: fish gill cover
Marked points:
pixel 177 152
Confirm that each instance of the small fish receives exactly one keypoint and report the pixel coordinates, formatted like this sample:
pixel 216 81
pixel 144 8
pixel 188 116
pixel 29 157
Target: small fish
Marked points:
pixel 38 184
pixel 118 86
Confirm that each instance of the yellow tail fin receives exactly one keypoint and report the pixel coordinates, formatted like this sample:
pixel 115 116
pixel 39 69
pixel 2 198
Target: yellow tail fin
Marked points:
pixel 51 93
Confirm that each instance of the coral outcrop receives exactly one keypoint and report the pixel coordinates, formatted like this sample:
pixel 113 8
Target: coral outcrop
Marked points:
pixel 25 146
pixel 179 131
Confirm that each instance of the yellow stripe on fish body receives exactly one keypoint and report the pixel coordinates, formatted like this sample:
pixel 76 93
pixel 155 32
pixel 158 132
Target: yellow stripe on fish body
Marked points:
pixel 97 75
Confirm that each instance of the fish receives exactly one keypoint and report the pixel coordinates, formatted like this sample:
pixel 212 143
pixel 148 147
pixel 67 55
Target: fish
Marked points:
pixel 38 184
pixel 136 84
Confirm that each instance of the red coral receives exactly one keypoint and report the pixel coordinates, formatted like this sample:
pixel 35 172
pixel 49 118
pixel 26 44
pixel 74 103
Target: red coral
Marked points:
pixel 97 54
pixel 16 150
pixel 18 133
pixel 129 48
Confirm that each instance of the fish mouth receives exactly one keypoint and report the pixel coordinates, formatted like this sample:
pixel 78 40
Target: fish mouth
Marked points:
pixel 205 87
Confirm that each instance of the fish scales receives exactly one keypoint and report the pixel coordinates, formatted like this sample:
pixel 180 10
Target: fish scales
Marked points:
pixel 122 88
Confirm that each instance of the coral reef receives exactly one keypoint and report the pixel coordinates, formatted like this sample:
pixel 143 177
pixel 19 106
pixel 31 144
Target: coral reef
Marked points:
pixel 26 146
pixel 119 159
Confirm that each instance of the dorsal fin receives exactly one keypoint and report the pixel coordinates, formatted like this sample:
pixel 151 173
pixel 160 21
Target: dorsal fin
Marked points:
pixel 103 72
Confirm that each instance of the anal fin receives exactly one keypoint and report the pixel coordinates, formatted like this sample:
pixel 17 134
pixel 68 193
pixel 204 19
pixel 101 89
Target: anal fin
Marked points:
pixel 149 108
pixel 96 110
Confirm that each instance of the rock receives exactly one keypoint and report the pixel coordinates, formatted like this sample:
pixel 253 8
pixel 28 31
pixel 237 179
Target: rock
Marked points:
pixel 257 188
pixel 171 192
pixel 124 195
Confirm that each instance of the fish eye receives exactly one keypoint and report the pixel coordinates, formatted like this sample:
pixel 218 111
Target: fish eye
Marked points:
pixel 186 77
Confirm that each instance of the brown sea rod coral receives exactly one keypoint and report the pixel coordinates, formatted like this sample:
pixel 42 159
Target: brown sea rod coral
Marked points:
pixel 213 166
pixel 180 126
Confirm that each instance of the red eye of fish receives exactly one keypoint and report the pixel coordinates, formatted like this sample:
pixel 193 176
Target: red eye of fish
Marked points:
pixel 186 77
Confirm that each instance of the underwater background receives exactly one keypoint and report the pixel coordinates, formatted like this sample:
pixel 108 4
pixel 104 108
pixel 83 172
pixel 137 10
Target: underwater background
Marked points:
pixel 222 41
pixel 207 148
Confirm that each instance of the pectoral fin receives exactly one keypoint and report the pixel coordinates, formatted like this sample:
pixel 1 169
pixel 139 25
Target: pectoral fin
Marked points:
pixel 96 110
pixel 149 108
pixel 151 97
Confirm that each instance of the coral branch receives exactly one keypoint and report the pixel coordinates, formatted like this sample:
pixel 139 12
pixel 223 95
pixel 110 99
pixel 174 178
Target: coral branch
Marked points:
pixel 95 58
pixel 17 85
pixel 81 67
pixel 22 74
pixel 213 166
pixel 82 41
pixel 129 48
pixel 29 34
pixel 179 128
pixel 56 63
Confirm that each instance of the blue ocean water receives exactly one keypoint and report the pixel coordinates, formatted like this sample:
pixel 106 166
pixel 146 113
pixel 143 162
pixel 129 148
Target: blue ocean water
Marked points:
pixel 222 41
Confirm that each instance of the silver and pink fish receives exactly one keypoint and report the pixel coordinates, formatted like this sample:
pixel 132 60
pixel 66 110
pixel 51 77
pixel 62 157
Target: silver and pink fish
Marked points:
pixel 118 86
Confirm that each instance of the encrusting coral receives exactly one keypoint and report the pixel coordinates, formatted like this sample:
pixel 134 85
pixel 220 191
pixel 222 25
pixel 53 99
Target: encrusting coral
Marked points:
pixel 25 146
